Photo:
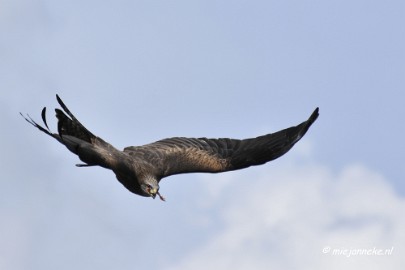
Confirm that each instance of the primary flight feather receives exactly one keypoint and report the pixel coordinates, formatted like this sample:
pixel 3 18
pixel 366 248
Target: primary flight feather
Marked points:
pixel 140 168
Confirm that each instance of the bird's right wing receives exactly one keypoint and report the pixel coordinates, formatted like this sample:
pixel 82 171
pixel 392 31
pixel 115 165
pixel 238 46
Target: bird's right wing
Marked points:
pixel 185 155
pixel 91 149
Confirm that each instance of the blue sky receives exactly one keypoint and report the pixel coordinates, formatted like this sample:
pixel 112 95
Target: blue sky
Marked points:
pixel 137 71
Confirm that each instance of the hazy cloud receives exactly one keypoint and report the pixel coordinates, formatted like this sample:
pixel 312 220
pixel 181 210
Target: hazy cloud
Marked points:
pixel 285 217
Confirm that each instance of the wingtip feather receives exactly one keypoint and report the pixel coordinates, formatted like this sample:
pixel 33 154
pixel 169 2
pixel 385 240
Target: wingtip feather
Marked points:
pixel 60 101
pixel 65 108
pixel 314 115
pixel 43 115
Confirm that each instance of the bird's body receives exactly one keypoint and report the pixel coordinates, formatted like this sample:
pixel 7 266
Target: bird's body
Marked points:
pixel 140 168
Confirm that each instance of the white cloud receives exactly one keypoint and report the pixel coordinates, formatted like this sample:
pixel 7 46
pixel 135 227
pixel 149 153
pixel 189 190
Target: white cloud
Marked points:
pixel 288 215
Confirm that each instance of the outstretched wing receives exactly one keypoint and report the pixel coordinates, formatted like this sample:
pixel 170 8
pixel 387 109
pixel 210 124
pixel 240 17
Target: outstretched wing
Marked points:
pixel 91 149
pixel 185 155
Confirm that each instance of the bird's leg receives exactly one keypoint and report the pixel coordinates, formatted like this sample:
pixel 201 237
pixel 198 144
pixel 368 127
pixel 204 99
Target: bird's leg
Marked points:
pixel 84 165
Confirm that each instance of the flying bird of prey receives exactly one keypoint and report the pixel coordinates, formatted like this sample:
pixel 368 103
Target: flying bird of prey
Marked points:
pixel 140 168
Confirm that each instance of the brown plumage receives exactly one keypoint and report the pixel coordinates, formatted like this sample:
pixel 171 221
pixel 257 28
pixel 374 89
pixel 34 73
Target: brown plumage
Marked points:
pixel 140 168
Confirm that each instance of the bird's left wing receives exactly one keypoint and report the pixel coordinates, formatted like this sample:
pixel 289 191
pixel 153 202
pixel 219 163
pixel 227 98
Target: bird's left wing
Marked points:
pixel 185 155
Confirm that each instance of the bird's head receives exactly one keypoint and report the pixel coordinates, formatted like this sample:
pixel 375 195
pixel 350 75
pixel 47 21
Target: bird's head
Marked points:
pixel 151 188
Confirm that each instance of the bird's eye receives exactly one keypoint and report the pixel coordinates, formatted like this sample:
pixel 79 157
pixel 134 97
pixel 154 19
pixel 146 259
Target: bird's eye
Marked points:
pixel 148 188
